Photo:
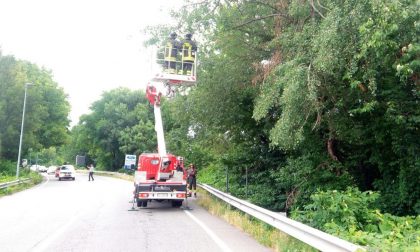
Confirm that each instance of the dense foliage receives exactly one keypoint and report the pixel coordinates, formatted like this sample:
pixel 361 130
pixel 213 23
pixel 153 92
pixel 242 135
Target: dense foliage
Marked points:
pixel 46 112
pixel 304 96
pixel 120 123
pixel 352 215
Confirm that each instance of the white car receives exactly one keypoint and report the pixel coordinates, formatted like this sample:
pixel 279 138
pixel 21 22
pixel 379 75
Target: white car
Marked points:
pixel 51 169
pixel 38 168
pixel 67 172
pixel 34 167
pixel 42 168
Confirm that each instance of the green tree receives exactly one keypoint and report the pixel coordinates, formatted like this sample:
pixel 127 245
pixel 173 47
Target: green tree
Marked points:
pixel 345 70
pixel 120 123
pixel 47 108
pixel 333 86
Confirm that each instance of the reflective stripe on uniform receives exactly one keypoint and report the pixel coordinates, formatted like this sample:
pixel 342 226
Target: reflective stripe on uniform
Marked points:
pixel 169 52
pixel 187 54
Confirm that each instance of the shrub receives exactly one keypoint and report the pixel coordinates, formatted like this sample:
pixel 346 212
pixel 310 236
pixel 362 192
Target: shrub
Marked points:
pixel 125 171
pixel 352 216
pixel 7 168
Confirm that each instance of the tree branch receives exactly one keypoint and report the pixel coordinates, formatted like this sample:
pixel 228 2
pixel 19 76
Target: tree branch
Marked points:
pixel 265 4
pixel 258 19
pixel 320 5
pixel 311 2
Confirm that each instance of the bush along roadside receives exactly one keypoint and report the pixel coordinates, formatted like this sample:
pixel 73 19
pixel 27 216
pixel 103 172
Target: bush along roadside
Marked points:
pixel 352 216
pixel 34 177
pixel 8 174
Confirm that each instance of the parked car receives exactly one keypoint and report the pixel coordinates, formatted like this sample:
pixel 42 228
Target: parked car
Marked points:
pixel 51 169
pixel 67 172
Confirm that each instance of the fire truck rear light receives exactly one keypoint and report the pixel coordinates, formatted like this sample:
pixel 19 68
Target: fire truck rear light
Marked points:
pixel 144 195
pixel 180 195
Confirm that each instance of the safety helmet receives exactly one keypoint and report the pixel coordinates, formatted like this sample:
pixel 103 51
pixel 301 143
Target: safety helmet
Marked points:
pixel 173 35
pixel 188 36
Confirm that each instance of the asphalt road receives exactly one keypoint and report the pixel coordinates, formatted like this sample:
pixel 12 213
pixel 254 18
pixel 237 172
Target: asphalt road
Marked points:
pixel 97 216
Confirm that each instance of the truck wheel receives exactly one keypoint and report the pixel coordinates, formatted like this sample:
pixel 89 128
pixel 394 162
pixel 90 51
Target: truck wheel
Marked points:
pixel 139 203
pixel 176 203
pixel 144 203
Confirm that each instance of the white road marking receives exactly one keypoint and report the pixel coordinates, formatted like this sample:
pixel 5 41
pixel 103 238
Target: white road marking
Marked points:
pixel 216 239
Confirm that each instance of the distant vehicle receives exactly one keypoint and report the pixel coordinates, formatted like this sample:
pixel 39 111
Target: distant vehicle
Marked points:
pixel 38 168
pixel 34 167
pixel 51 169
pixel 42 168
pixel 67 172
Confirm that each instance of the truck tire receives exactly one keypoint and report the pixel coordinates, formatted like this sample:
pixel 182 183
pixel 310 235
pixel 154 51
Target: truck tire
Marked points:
pixel 139 203
pixel 144 203
pixel 176 203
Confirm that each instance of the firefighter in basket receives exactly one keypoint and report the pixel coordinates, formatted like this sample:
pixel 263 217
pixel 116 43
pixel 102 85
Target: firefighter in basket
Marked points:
pixel 188 51
pixel 171 52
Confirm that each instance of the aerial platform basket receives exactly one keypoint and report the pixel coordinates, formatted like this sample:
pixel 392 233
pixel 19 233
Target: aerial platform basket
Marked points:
pixel 175 79
pixel 176 72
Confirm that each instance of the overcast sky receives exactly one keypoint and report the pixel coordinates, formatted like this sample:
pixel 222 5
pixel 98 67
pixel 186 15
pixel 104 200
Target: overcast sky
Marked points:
pixel 91 46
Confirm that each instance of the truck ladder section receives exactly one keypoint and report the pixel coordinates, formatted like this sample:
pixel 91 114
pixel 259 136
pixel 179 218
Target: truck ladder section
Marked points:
pixel 154 96
pixel 159 130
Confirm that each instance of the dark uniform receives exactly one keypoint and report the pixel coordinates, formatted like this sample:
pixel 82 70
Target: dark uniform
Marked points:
pixel 192 179
pixel 171 51
pixel 189 49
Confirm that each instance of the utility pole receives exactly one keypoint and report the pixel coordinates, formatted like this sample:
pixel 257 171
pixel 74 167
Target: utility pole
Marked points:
pixel 21 130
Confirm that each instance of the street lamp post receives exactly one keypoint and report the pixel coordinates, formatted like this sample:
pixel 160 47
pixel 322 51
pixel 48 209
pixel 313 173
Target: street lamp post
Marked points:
pixel 21 130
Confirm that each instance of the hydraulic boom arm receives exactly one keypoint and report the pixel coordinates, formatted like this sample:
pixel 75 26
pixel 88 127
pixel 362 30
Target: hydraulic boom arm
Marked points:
pixel 154 98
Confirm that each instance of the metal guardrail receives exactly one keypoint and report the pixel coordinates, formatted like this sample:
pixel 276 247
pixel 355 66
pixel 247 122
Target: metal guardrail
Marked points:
pixel 13 183
pixel 302 232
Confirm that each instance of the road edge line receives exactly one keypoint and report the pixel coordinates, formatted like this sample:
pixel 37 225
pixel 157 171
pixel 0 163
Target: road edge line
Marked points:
pixel 213 236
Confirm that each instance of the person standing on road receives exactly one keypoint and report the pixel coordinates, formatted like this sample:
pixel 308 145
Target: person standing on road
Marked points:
pixel 91 168
pixel 192 179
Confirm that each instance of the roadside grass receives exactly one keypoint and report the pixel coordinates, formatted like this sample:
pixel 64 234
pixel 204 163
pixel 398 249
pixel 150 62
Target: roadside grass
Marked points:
pixel 262 232
pixel 4 178
pixel 35 179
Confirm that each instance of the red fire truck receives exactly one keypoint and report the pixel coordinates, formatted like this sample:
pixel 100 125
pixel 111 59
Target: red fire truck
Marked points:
pixel 161 176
